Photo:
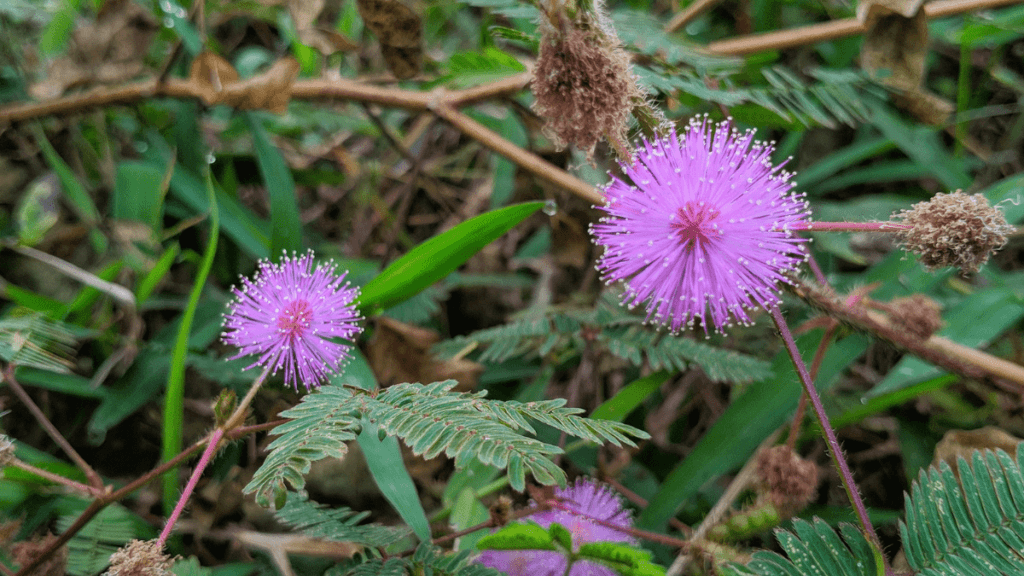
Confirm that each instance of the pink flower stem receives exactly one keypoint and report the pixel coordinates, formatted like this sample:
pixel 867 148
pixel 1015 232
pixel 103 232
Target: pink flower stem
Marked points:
pixel 236 418
pixel 204 460
pixel 830 436
pixel 848 227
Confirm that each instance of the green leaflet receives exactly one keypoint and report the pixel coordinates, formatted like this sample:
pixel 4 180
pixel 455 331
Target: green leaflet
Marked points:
pixel 437 257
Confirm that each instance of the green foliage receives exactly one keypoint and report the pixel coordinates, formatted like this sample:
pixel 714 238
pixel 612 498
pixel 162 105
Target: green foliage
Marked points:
pixel 318 428
pixel 337 524
pixel 439 256
pixel 621 333
pixel 431 419
pixel 89 549
pixel 427 559
pixel 816 549
pixel 829 98
pixel 974 526
pixel 623 558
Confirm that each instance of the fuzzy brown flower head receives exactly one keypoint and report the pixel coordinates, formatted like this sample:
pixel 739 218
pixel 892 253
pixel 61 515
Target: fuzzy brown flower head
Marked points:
pixel 28 551
pixel 140 558
pixel 954 229
pixel 792 482
pixel 583 87
pixel 6 450
pixel 918 314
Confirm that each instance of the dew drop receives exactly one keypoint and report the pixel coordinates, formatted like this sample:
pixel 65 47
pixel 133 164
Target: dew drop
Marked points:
pixel 550 208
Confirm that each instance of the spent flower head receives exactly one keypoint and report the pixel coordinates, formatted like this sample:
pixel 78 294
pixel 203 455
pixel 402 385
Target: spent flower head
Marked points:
pixel 583 85
pixel 579 505
pixel 295 317
pixel 954 229
pixel 704 230
pixel 140 558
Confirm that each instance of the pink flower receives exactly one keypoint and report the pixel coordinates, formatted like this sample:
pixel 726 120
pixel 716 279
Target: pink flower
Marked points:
pixel 703 234
pixel 582 502
pixel 292 316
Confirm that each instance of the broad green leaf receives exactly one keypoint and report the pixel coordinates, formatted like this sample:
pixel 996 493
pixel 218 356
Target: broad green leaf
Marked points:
pixel 286 227
pixel 139 193
pixel 384 459
pixel 237 222
pixel 626 400
pixel 922 145
pixel 435 258
pixel 518 536
pixel 159 271
pixel 176 18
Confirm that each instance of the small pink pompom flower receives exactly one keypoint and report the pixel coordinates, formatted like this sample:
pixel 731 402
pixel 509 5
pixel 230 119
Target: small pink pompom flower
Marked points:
pixel 704 232
pixel 292 316
pixel 582 502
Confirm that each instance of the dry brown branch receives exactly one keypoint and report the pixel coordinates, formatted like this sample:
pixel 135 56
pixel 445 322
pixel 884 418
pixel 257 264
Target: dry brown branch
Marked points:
pixel 689 13
pixel 937 350
pixel 523 158
pixel 836 29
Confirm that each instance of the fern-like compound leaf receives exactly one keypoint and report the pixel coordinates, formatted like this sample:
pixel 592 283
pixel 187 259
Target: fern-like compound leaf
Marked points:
pixel 432 421
pixel 622 333
pixel 336 524
pixel 974 526
pixel 318 428
pixel 28 338
pixel 815 549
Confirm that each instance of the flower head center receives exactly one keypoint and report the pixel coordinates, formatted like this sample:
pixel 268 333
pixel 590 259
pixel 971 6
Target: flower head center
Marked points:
pixel 694 223
pixel 295 318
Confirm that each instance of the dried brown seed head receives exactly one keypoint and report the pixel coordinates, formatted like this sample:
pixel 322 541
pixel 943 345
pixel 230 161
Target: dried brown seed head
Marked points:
pixel 28 551
pixel 918 314
pixel 791 481
pixel 954 229
pixel 140 558
pixel 583 86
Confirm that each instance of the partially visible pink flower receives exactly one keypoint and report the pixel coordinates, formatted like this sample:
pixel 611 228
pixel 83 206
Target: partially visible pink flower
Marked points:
pixel 703 233
pixel 582 502
pixel 294 317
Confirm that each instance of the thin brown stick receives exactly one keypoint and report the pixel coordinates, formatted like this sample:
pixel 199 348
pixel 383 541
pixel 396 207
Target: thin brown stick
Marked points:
pixel 836 29
pixel 525 159
pixel 940 351
pixel 313 89
pixel 689 13
pixel 57 478
pixel 51 430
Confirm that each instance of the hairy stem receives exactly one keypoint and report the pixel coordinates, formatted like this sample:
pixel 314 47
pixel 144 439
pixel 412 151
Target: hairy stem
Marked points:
pixel 830 436
pixel 849 227
pixel 186 495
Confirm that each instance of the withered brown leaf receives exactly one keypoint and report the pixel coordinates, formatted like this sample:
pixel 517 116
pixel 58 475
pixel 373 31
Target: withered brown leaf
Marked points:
pixel 400 31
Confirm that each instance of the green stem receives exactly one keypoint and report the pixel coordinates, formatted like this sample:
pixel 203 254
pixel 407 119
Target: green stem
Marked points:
pixel 174 403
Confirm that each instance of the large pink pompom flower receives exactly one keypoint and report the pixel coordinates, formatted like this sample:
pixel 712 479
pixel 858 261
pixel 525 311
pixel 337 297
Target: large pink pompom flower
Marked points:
pixel 704 231
pixel 294 317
